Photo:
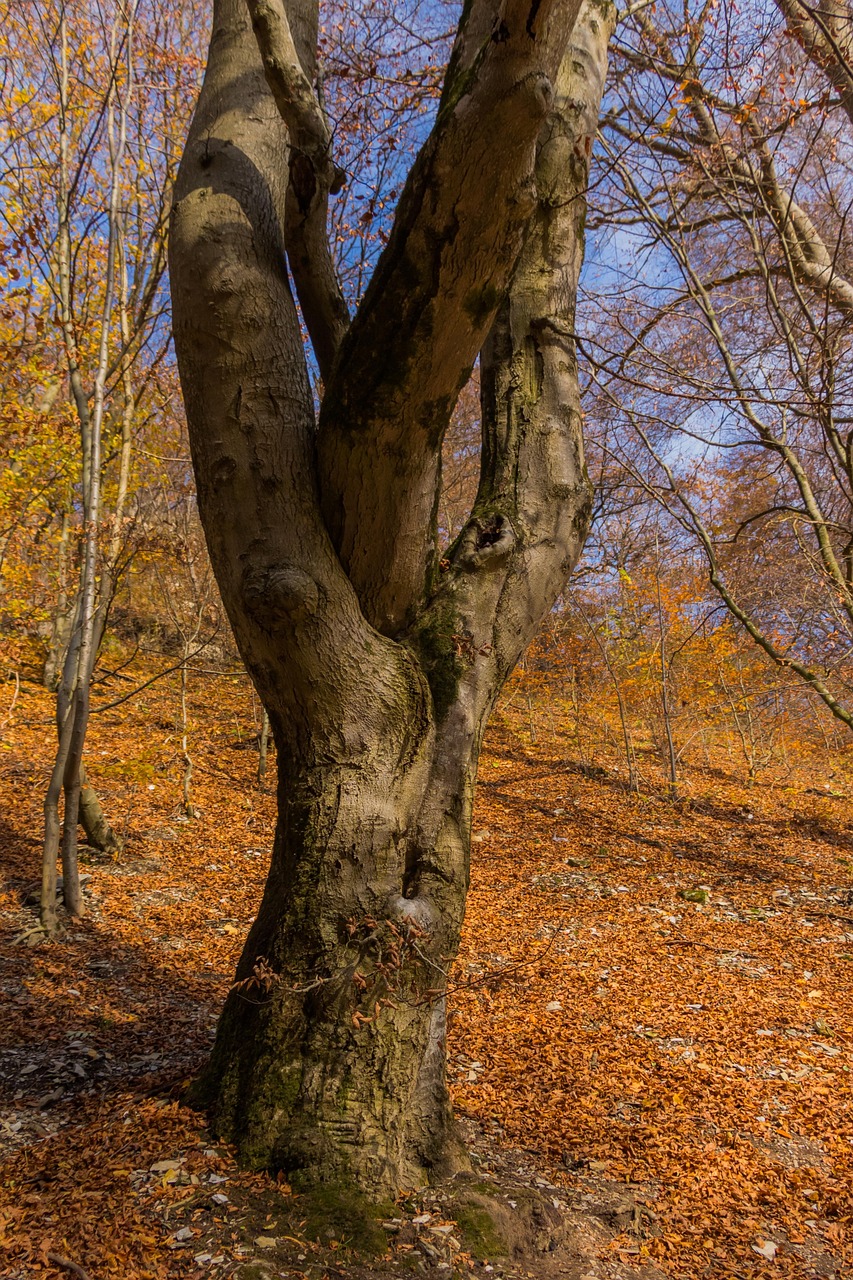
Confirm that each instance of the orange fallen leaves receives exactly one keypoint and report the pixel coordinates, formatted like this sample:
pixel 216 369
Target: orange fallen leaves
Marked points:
pixel 602 1023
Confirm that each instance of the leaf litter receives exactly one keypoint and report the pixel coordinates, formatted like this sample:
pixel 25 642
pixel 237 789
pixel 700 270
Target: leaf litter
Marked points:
pixel 650 1017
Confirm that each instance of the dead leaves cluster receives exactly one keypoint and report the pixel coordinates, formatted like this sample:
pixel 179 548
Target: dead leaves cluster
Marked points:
pixel 690 1029
pixel 647 993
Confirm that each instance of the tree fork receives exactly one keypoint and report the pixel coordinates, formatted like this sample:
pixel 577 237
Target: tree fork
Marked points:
pixel 378 676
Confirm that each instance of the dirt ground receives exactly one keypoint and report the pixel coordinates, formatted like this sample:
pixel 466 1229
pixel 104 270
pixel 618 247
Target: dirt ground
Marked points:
pixel 650 1051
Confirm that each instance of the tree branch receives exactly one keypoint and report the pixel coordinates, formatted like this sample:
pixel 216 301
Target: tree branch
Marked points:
pixel 825 31
pixel 530 517
pixel 250 417
pixel 313 176
pixel 459 227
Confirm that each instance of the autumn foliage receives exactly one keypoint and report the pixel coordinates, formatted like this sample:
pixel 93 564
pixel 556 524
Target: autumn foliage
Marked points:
pixel 652 1000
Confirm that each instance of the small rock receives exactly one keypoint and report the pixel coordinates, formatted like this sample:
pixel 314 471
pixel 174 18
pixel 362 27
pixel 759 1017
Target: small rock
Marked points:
pixel 553 1007
pixel 184 1233
pixel 164 1166
pixel 767 1249
pixel 265 1242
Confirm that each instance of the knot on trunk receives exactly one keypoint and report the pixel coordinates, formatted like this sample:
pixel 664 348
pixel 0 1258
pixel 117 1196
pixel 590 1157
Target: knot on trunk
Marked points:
pixel 279 593
pixel 486 543
pixel 417 911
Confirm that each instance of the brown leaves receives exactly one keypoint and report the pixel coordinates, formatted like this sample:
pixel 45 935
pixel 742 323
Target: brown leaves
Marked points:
pixel 684 1056
pixel 700 1049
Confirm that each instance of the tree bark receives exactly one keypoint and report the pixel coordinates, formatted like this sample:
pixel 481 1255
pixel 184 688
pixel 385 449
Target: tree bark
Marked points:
pixel 379 671
pixel 93 820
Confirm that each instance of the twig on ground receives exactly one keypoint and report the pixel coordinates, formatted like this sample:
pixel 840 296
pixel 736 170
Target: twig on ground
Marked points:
pixel 829 915
pixel 692 942
pixel 68 1265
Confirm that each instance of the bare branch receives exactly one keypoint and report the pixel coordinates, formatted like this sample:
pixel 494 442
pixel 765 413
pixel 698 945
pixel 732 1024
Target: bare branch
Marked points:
pixel 459 227
pixel 313 176
pixel 825 31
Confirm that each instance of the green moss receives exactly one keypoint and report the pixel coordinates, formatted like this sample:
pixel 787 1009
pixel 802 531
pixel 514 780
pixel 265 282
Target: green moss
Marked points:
pixel 481 302
pixel 456 83
pixel 581 225
pixel 479 1231
pixel 335 1211
pixel 483 1188
pixel 443 666
pixel 241 1115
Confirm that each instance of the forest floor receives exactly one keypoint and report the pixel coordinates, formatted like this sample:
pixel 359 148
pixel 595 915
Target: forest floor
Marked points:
pixel 652 1020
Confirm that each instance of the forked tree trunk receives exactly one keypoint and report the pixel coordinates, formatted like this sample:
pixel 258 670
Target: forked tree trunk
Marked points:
pixel 378 665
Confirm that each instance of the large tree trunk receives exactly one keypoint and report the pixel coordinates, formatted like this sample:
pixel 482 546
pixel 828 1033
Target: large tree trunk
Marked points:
pixel 378 667
pixel 337 1068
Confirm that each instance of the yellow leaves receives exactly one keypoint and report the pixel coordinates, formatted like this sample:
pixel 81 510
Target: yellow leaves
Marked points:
pixel 669 121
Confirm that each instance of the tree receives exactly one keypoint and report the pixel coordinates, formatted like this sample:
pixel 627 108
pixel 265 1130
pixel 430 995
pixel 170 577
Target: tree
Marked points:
pixel 377 655
pixel 86 168
pixel 729 358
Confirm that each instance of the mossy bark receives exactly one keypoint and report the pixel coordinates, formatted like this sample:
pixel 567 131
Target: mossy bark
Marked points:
pixel 329 1058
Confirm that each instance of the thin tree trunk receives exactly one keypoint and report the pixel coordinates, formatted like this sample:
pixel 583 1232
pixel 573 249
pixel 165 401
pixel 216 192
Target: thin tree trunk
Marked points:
pixel 627 740
pixel 664 686
pixel 263 747
pixel 74 715
pixel 185 754
pixel 62 620
pixel 531 723
pixel 52 827
pixel 72 895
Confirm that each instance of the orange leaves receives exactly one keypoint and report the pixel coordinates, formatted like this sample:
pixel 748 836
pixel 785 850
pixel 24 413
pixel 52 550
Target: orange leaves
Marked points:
pixel 685 1055
pixel 680 1065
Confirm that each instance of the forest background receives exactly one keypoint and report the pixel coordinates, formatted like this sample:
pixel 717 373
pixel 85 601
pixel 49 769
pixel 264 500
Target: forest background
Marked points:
pixel 705 639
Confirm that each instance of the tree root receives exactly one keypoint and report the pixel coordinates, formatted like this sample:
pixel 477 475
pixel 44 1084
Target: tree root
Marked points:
pixel 67 1265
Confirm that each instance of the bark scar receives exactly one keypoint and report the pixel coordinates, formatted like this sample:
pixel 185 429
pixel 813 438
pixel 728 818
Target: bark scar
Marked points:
pixel 279 592
pixel 486 541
